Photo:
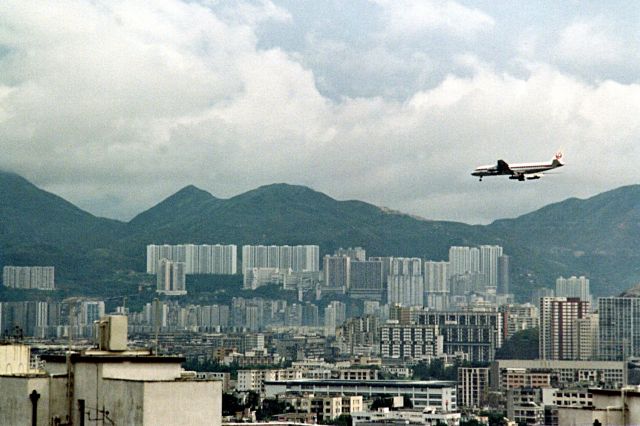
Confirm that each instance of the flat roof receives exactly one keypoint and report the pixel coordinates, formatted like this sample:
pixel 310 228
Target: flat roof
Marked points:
pixel 549 363
pixel 397 383
pixel 76 357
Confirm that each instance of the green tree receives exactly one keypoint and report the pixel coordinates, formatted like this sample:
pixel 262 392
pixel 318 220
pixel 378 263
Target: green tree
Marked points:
pixel 341 420
pixel 230 405
pixel 522 345
pixel 471 422
pixel 269 408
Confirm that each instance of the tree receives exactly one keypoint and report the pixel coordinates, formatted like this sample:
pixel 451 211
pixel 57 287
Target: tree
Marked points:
pixel 522 345
pixel 471 422
pixel 230 405
pixel 342 420
pixel 406 402
pixel 381 403
pixel 269 408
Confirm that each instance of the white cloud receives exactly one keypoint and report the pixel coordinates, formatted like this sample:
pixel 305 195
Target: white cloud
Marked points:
pixel 590 41
pixel 133 100
pixel 414 17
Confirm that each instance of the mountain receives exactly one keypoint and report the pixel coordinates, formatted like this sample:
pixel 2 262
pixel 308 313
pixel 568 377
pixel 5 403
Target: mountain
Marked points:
pixel 594 237
pixel 290 214
pixel 29 215
pixel 187 203
pixel 40 228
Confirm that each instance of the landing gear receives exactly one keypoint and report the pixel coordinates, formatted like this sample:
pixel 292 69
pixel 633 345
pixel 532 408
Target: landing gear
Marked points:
pixel 480 180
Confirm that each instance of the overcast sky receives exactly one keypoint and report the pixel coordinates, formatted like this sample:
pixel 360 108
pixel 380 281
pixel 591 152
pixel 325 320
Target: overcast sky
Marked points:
pixel 115 105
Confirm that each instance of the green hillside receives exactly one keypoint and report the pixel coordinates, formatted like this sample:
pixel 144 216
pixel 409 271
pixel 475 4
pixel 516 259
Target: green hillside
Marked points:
pixel 595 237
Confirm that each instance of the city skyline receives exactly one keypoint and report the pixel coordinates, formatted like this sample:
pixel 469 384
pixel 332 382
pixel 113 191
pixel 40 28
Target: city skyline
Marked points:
pixel 269 212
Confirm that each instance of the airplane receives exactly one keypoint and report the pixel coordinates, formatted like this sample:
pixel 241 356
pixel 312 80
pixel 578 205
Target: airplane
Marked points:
pixel 519 171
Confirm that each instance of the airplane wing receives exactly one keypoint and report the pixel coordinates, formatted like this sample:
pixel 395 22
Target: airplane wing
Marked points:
pixel 503 168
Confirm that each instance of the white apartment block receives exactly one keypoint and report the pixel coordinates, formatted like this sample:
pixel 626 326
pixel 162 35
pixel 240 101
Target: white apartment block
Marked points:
pixel 436 284
pixel 29 277
pixel 558 316
pixel 573 287
pixel 410 341
pixel 405 290
pixel 253 380
pixel 301 258
pixel 198 258
pixel 508 373
pixel 432 393
pixel 473 385
pixel 257 277
pixel 489 256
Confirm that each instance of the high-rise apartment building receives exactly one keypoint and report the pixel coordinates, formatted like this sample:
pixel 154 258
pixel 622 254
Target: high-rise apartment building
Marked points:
pixel 473 386
pixel 406 266
pixel 171 278
pixel 539 293
pixel 585 338
pixel 302 258
pixel 334 316
pixel 359 334
pixel 413 341
pixel 258 277
pixel 504 279
pixel 476 268
pixel 558 316
pixel 198 258
pixel 355 253
pixel 489 256
pixel 476 333
pixel 518 317
pixel 386 267
pixel 405 290
pixel 573 287
pixel 405 284
pixel 436 284
pixel 365 280
pixel 619 328
pixel 29 277
pixel 336 271
pixel 464 260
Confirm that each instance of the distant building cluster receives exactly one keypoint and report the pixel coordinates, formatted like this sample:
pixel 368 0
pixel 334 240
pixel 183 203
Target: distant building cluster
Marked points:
pixel 302 258
pixel 29 277
pixel 171 278
pixel 44 319
pixel 198 258
pixel 345 331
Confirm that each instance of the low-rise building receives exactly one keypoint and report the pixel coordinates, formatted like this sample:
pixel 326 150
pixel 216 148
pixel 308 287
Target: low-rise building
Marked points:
pixel 510 373
pixel 529 405
pixel 325 407
pixel 253 380
pixel 422 393
pixel 609 407
pixel 384 416
pixel 110 383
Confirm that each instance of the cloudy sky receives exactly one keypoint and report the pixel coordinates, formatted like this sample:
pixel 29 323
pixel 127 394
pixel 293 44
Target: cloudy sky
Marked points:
pixel 115 105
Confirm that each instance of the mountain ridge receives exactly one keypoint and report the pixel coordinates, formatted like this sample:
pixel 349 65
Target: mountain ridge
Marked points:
pixel 594 236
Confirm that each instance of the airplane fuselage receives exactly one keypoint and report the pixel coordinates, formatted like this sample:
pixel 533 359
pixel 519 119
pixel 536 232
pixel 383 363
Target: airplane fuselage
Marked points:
pixel 519 171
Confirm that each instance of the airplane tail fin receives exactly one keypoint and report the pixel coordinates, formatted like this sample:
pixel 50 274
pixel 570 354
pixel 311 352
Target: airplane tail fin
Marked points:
pixel 558 158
